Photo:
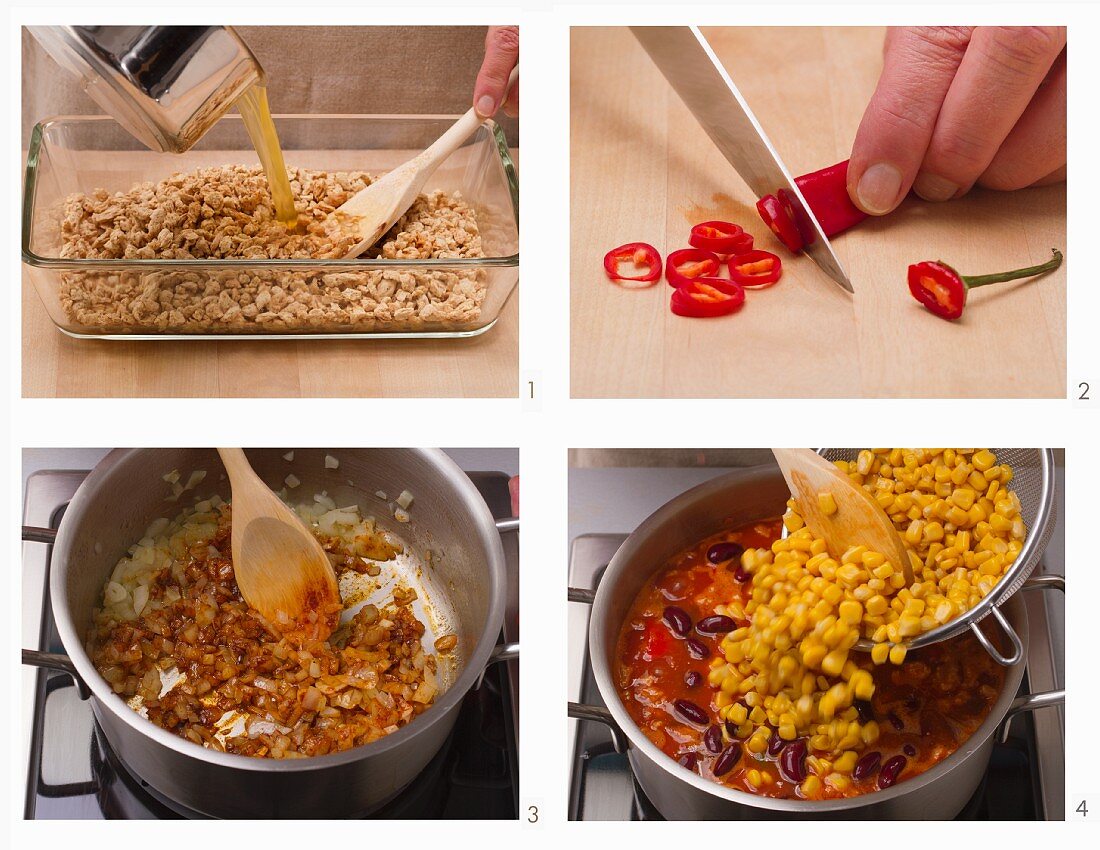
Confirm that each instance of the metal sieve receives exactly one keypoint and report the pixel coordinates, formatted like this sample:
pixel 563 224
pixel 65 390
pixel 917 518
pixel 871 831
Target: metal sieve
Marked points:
pixel 1033 482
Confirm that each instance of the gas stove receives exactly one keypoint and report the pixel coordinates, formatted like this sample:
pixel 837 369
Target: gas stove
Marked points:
pixel 73 773
pixel 1026 776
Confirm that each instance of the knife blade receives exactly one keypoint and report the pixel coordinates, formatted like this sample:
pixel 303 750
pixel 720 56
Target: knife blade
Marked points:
pixel 693 70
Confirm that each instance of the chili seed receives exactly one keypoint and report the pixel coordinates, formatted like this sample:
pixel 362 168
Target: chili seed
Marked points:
pixel 866 766
pixel 688 760
pixel 728 758
pixel 792 761
pixel 712 740
pixel 889 773
pixel 895 721
pixel 677 620
pixel 775 744
pixel 863 708
pixel 741 575
pixel 690 712
pixel 716 624
pixel 697 649
pixel 720 552
pixel 693 679
pixel 909 750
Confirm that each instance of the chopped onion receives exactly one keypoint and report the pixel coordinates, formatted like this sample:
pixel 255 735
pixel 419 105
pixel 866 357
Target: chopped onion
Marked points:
pixel 171 477
pixel 405 499
pixel 292 481
pixel 289 456
pixel 331 462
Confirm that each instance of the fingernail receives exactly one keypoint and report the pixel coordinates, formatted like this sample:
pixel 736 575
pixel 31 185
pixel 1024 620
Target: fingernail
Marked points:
pixel 486 105
pixel 878 188
pixel 932 187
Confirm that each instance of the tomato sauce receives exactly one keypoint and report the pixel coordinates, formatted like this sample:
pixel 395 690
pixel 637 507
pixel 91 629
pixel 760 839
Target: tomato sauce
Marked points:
pixel 925 708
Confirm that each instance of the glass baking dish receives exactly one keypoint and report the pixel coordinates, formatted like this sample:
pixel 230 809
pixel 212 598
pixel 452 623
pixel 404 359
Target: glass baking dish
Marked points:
pixel 82 154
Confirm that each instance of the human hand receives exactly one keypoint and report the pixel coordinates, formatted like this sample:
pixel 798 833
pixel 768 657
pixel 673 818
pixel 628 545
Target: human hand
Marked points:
pixel 962 106
pixel 501 56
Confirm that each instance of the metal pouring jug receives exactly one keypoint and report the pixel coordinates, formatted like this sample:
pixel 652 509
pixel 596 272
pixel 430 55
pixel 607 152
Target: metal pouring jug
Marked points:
pixel 166 85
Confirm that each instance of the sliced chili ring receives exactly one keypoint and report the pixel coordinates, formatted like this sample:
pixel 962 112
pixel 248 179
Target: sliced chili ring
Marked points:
pixel 756 269
pixel 707 297
pixel 639 253
pixel 778 217
pixel 721 237
pixel 690 264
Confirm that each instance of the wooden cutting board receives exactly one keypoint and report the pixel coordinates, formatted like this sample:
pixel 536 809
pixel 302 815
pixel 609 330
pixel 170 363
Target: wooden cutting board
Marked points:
pixel 642 170
pixel 55 365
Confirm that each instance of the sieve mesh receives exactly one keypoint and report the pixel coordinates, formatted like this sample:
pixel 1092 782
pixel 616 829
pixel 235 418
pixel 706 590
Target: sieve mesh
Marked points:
pixel 1033 481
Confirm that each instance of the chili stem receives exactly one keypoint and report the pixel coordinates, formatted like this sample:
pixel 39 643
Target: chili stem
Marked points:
pixel 986 279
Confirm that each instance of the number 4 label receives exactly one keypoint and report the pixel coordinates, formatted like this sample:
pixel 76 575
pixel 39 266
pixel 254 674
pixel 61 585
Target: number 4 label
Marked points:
pixel 1082 808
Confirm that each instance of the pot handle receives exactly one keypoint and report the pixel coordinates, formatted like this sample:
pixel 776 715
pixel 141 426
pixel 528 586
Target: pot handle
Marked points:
pixel 1030 702
pixel 501 652
pixel 33 534
pixel 59 663
pixel 1051 582
pixel 507 526
pixel 581 711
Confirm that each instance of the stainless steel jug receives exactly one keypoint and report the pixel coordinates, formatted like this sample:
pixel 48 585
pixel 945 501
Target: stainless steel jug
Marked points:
pixel 166 85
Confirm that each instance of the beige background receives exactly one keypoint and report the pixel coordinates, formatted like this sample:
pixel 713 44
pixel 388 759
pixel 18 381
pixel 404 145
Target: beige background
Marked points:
pixel 371 70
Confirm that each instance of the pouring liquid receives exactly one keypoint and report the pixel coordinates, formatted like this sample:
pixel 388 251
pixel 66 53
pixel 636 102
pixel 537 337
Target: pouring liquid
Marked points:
pixel 256 113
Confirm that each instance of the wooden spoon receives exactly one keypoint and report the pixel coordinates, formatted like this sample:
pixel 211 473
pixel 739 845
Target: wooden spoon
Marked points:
pixel 280 568
pixel 858 520
pixel 371 211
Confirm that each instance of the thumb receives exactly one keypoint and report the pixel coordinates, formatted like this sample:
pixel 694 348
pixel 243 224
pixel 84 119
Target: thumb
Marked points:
pixel 501 56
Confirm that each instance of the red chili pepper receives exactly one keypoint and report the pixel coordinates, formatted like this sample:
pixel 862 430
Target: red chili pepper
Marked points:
pixel 780 220
pixel 721 237
pixel 690 264
pixel 638 253
pixel 756 269
pixel 708 297
pixel 656 641
pixel 943 290
pixel 826 194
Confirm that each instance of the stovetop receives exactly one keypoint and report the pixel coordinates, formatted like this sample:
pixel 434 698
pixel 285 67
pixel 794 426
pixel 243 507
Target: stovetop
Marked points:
pixel 1025 779
pixel 72 773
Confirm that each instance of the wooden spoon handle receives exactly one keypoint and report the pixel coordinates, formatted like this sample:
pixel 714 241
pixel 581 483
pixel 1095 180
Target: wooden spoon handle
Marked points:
pixel 459 132
pixel 237 467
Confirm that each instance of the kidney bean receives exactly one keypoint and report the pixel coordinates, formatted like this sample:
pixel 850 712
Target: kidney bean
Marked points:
pixel 690 712
pixel 697 649
pixel 909 750
pixel 775 744
pixel 889 773
pixel 863 707
pixel 731 729
pixel 792 761
pixel 677 620
pixel 728 758
pixel 716 624
pixel 693 679
pixel 866 766
pixel 895 721
pixel 712 739
pixel 720 552
pixel 688 760
pixel 741 575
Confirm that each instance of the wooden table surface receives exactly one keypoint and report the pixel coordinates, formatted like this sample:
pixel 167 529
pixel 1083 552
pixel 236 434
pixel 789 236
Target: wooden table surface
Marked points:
pixel 55 365
pixel 642 170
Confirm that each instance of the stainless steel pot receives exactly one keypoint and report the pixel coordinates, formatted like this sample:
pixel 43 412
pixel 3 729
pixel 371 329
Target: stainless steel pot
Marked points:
pixel 735 499
pixel 125 493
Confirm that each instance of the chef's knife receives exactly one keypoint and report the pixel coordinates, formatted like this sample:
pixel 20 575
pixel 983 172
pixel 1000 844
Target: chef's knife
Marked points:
pixel 692 69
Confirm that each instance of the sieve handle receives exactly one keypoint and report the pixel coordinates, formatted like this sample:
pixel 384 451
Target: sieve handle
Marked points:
pixel 1009 632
